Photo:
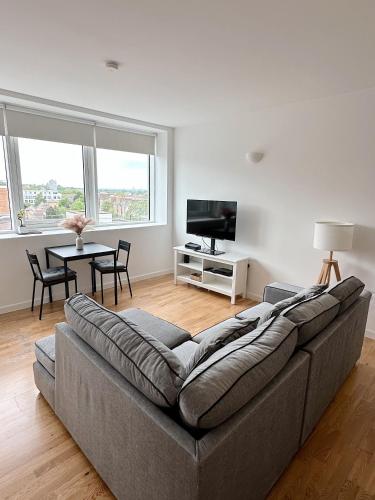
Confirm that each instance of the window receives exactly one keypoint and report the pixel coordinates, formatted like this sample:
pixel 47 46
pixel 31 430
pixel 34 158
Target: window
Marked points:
pixel 5 222
pixel 54 166
pixel 52 180
pixel 123 186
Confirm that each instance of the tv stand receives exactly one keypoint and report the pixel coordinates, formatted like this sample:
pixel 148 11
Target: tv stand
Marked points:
pixel 211 250
pixel 194 268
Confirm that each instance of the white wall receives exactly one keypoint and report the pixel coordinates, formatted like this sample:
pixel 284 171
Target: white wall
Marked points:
pixel 319 164
pixel 151 255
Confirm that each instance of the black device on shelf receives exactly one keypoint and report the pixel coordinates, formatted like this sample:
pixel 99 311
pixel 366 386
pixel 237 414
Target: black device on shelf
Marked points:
pixel 193 246
pixel 212 219
pixel 220 270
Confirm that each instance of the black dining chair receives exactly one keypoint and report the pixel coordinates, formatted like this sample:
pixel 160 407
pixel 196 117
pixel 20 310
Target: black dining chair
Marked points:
pixel 107 267
pixel 48 278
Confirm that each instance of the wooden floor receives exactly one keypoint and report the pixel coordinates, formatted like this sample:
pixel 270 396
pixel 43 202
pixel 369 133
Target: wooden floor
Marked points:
pixel 39 460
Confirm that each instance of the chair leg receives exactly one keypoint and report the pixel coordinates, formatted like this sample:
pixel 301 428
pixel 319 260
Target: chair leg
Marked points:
pixel 101 286
pixel 130 288
pixel 32 300
pixel 92 280
pixel 41 304
pixel 119 280
pixel 75 283
pixel 50 293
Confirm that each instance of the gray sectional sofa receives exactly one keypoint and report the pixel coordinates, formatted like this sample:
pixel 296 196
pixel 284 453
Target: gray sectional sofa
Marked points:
pixel 163 415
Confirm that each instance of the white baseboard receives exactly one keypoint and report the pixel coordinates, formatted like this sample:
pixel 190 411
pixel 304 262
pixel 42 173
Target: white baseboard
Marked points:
pixel 370 334
pixel 141 277
pixel 26 304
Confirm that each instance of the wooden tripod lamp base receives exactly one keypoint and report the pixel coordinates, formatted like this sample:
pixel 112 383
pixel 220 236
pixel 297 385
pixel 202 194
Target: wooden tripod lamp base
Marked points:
pixel 325 273
pixel 332 236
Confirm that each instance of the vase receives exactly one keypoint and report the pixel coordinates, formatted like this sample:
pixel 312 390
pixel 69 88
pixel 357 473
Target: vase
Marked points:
pixel 79 242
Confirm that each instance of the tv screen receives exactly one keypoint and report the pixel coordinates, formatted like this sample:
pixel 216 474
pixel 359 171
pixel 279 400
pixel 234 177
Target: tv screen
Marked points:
pixel 212 219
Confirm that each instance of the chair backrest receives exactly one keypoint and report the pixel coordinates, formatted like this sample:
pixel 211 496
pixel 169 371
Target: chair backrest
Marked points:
pixel 34 264
pixel 125 246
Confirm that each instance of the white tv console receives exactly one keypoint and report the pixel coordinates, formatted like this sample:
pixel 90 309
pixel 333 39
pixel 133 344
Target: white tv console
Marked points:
pixel 198 263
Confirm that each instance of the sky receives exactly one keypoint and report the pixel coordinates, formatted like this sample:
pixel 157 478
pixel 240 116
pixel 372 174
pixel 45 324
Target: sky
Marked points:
pixel 43 160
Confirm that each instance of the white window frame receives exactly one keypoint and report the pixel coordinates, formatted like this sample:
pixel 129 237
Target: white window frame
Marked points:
pixel 151 197
pixel 4 151
pixel 90 182
pixel 19 202
pixel 90 185
pixel 12 163
pixel 159 181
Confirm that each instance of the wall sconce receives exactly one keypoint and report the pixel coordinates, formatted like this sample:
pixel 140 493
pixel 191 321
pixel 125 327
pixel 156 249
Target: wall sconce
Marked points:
pixel 254 157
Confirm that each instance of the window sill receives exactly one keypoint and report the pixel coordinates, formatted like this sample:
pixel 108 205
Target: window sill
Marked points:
pixel 51 232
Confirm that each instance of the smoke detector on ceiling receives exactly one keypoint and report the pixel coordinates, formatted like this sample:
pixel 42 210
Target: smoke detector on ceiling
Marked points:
pixel 112 65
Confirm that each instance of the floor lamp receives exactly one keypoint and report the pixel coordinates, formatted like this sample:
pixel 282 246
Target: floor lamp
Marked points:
pixel 332 236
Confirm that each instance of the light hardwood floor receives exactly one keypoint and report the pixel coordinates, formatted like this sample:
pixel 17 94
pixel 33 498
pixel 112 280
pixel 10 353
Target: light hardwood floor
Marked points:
pixel 39 460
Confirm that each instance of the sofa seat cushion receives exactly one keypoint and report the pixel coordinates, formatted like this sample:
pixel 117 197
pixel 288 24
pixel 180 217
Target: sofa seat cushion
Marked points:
pixel 185 351
pixel 216 337
pixel 142 359
pixel 312 315
pixel 346 292
pixel 45 353
pixel 232 376
pixel 305 293
pixel 255 312
pixel 167 333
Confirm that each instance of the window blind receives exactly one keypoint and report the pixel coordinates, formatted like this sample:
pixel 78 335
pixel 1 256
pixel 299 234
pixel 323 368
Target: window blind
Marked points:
pixel 121 140
pixel 34 126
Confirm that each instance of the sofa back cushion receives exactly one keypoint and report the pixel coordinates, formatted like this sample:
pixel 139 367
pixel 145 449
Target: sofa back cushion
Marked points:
pixel 312 315
pixel 279 307
pixel 346 291
pixel 232 376
pixel 216 337
pixel 254 313
pixel 143 360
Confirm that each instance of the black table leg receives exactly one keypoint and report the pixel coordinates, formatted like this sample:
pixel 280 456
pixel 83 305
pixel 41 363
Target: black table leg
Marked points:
pixel 47 257
pixel 115 275
pixel 66 279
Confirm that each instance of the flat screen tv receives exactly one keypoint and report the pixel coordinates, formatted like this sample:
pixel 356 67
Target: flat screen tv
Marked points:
pixel 212 219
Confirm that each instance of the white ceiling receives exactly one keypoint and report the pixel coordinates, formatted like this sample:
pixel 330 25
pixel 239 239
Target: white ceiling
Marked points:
pixel 186 61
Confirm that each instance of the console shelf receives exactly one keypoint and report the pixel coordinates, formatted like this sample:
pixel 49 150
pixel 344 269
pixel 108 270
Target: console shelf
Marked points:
pixel 230 278
pixel 196 266
pixel 188 262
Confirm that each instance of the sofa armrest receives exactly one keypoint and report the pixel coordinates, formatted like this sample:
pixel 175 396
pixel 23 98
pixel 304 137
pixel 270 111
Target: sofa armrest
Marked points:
pixel 119 429
pixel 274 292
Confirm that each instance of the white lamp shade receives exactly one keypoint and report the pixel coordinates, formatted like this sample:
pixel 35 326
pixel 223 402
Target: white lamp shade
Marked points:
pixel 329 235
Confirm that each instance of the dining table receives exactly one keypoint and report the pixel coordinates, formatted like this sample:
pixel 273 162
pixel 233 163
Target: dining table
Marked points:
pixel 68 253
